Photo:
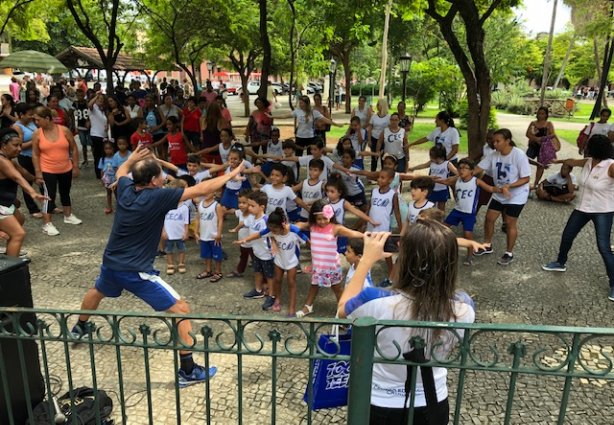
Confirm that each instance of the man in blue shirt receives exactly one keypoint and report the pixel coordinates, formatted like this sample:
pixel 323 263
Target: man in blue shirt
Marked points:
pixel 127 263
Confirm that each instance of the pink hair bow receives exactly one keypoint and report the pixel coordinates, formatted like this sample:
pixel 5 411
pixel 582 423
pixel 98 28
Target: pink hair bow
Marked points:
pixel 328 212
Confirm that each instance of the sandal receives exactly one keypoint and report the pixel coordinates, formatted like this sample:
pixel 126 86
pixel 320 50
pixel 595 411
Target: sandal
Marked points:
pixel 181 268
pixel 37 215
pixel 204 275
pixel 170 270
pixel 303 313
pixel 276 307
pixel 216 277
pixel 234 274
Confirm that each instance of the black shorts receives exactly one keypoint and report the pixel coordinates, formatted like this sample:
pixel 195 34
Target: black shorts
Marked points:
pixel 553 190
pixel 265 267
pixel 357 200
pixel 510 210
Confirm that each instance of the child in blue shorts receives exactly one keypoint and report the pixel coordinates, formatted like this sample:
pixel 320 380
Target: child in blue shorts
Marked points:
pixel 439 168
pixel 467 193
pixel 210 223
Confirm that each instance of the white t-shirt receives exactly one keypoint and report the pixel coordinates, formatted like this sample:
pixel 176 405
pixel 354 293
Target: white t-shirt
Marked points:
pixel 382 208
pixel 98 122
pixel 243 231
pixel 175 222
pixel 275 148
pixel 507 169
pixel 356 145
pixel 224 152
pixel 413 211
pixel 261 246
pixel 467 195
pixel 393 142
pixel 353 183
pixel 560 181
pixel 328 164
pixel 311 193
pixel 388 383
pixel 368 280
pixel 304 128
pixel 236 184
pixel 339 210
pixel 598 128
pixel 208 220
pixel 198 177
pixel 439 170
pixel 362 114
pixel 293 166
pixel 277 198
pixel 379 124
pixel 286 258
pixel 447 138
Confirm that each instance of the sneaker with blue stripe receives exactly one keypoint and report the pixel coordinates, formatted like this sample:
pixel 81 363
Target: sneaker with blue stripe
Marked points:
pixel 199 374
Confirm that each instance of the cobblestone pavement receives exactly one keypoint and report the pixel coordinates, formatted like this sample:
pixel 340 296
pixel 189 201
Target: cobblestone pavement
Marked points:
pixel 63 267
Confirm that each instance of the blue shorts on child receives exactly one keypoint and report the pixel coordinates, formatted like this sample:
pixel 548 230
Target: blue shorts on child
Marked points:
pixel 211 250
pixel 439 196
pixel 148 286
pixel 455 217
pixel 175 245
pixel 230 198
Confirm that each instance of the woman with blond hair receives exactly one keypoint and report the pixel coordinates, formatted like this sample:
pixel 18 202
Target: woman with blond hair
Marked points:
pixel 378 123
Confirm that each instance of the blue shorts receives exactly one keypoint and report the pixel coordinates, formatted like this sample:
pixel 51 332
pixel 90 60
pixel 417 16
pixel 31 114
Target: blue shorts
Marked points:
pixel 264 267
pixel 148 286
pixel 439 196
pixel 209 250
pixel 230 198
pixel 245 184
pixel 357 200
pixel 295 215
pixel 177 245
pixel 267 167
pixel 342 244
pixel 455 217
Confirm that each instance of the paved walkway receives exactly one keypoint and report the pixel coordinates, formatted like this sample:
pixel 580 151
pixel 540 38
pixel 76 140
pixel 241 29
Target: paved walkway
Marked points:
pixel 63 267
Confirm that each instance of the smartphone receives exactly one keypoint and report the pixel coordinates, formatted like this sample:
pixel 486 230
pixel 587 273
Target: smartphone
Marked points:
pixel 392 243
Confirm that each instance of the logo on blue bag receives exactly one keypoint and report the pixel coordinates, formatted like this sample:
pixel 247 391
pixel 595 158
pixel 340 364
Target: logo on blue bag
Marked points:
pixel 337 375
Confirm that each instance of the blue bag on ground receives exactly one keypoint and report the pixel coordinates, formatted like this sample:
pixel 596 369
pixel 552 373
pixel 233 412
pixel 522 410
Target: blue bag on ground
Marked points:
pixel 331 377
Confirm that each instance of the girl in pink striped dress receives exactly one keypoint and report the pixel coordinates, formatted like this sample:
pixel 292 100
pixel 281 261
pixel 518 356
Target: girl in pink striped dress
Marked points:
pixel 326 264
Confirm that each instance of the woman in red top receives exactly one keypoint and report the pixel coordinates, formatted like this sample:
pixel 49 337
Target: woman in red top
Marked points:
pixel 225 111
pixel 260 123
pixel 190 121
pixel 178 144
pixel 59 114
pixel 55 157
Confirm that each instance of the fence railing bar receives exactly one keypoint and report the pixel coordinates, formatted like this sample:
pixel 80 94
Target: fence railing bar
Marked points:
pixel 6 389
pixel 145 330
pixel 90 346
pixel 517 350
pixel 67 337
pixel 571 365
pixel 464 350
pixel 120 372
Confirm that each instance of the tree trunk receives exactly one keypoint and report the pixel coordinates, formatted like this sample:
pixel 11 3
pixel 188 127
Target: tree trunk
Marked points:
pixel 548 57
pixel 244 80
pixel 266 50
pixel 572 42
pixel 108 67
pixel 596 57
pixel 292 83
pixel 384 64
pixel 345 59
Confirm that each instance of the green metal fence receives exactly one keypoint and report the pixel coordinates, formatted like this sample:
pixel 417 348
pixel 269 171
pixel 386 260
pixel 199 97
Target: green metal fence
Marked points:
pixel 264 365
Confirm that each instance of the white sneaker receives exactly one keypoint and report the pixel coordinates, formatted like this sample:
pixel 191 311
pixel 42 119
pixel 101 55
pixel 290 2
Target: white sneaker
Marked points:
pixel 72 219
pixel 50 230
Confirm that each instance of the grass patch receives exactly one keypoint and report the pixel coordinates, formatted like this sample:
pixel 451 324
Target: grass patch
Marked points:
pixel 568 136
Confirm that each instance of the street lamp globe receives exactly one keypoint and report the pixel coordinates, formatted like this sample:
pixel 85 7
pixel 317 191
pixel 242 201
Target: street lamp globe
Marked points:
pixel 405 62
pixel 333 66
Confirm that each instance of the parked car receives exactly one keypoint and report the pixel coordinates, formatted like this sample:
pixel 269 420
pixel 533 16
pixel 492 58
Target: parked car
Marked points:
pixel 231 88
pixel 278 89
pixel 316 87
pixel 252 88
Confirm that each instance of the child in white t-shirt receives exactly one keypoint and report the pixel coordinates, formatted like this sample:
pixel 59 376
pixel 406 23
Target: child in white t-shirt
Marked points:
pixel 175 233
pixel 353 254
pixel 559 187
pixel 278 194
pixel 246 251
pixel 210 224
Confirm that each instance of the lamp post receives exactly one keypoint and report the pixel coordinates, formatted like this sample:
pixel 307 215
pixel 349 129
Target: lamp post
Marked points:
pixel 331 86
pixel 210 66
pixel 405 63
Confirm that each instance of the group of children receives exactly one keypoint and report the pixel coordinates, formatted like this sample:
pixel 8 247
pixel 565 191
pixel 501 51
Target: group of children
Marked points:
pixel 278 217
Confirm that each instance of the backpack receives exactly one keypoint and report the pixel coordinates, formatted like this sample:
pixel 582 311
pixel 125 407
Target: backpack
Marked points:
pixel 84 408
pixel 583 138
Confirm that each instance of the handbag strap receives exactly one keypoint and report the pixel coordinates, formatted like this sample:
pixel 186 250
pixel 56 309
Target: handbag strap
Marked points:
pixel 428 382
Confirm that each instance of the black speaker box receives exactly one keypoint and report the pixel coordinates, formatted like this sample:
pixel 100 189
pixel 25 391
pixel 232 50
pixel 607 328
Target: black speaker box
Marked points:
pixel 16 291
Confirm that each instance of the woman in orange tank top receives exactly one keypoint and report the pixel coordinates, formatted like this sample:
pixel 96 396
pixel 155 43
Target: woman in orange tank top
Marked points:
pixel 55 157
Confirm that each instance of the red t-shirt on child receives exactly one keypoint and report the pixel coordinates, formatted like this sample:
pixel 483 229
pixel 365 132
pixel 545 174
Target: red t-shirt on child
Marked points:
pixel 177 149
pixel 137 138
